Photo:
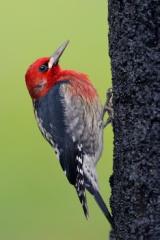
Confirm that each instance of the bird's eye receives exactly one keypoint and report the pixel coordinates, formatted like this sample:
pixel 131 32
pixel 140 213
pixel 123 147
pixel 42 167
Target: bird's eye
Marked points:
pixel 43 68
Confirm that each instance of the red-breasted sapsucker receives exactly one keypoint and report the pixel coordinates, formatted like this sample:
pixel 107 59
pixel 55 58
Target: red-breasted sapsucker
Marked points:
pixel 69 115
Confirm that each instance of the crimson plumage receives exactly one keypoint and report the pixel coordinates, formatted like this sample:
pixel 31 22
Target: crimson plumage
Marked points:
pixel 69 114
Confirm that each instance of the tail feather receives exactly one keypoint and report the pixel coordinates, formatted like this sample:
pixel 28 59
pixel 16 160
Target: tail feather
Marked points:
pixel 94 191
pixel 103 207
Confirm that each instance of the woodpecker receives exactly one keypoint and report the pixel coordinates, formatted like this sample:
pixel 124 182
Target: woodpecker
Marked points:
pixel 69 114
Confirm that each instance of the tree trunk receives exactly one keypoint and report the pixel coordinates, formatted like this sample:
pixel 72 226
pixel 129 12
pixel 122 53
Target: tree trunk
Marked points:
pixel 135 61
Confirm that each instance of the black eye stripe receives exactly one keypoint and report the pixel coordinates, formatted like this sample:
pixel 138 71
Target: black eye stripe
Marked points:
pixel 43 68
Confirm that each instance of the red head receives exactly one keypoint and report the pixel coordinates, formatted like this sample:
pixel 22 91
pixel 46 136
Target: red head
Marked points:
pixel 45 72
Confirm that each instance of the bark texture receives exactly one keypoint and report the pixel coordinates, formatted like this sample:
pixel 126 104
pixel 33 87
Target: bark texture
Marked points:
pixel 135 61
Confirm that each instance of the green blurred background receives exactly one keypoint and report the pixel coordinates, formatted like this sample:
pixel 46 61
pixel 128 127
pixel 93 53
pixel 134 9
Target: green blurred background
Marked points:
pixel 37 202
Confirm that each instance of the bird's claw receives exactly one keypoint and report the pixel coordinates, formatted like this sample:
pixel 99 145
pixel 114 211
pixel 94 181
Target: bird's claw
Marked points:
pixel 108 108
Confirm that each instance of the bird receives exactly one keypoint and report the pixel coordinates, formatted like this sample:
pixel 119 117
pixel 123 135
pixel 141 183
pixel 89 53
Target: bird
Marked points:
pixel 69 115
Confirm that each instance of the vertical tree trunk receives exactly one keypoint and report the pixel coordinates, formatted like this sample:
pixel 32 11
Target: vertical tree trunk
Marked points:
pixel 135 61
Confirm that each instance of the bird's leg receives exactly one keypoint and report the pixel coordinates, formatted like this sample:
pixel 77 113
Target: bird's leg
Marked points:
pixel 108 108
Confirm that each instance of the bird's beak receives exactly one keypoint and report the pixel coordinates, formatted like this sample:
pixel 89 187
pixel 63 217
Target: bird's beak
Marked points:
pixel 55 57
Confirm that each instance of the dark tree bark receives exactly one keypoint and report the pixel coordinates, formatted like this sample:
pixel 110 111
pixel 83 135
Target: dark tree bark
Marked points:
pixel 135 61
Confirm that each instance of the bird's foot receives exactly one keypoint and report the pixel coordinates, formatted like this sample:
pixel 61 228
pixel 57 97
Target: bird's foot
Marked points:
pixel 108 108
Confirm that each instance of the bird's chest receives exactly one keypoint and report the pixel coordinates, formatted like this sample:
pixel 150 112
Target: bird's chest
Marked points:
pixel 83 121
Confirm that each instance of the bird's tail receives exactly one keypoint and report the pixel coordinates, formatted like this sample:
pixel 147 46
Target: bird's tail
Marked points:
pixel 92 186
pixel 103 207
